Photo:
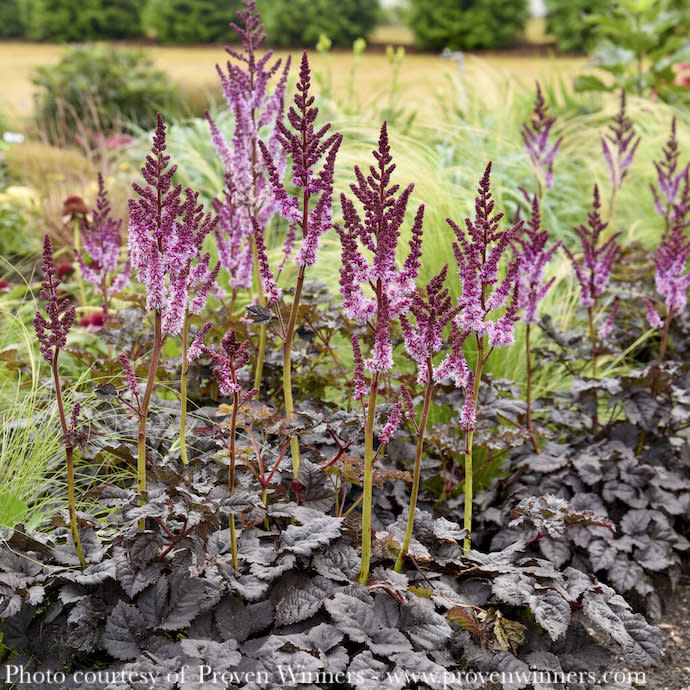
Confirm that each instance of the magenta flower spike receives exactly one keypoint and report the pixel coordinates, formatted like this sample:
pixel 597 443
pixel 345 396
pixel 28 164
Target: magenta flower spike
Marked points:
pixel 52 332
pixel 535 134
pixel 166 234
pixel 671 263
pixel 306 148
pixel 671 195
pixel 594 270
pixel 478 253
pixel 256 108
pixel 619 147
pixel 487 310
pixel 534 257
pixel 312 155
pixel 376 291
pixel 52 337
pixel 102 242
pixel 424 337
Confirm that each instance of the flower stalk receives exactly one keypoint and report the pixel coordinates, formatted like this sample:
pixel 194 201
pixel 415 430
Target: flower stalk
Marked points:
pixel 52 337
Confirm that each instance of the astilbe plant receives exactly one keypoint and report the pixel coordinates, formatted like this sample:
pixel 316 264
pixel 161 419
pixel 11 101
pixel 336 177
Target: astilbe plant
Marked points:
pixel 619 147
pixel 432 312
pixel 52 337
pixel 541 151
pixel 593 273
pixel 534 256
pixel 102 241
pixel 478 255
pixel 248 198
pixel 227 364
pixel 307 148
pixel 376 292
pixel 594 270
pixel 165 241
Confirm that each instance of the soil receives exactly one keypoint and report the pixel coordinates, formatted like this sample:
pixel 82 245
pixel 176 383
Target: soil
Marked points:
pixel 673 672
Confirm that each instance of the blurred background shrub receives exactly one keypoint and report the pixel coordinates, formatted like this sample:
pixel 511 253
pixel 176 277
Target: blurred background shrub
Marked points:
pixel 565 21
pixel 99 88
pixel 467 24
pixel 79 20
pixel 190 21
pixel 301 22
pixel 11 19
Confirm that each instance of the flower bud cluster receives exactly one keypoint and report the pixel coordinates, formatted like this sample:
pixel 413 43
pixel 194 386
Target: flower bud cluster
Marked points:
pixel 166 233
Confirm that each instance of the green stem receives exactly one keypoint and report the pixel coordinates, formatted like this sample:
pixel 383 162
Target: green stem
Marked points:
pixel 368 483
pixel 469 437
pixel 287 368
pixel 528 356
pixel 261 352
pixel 71 500
pixel 183 390
pixel 231 475
pixel 144 410
pixel 664 335
pixel 417 473
pixel 233 543
pixel 593 343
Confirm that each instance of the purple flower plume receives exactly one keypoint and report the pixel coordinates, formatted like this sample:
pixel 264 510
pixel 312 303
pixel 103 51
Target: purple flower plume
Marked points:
pixel 534 256
pixel 102 241
pixel 535 134
pixel 619 145
pixel 307 148
pixel 166 233
pixel 594 271
pixel 52 332
pixel 248 200
pixel 374 289
pixel 672 197
pixel 488 305
pixel 227 363
pixel 671 263
pixel 607 326
pixel 432 313
pixel 392 423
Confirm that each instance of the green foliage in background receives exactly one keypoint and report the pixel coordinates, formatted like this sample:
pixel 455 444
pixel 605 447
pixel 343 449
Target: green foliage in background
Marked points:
pixel 639 44
pixel 466 24
pixel 301 22
pixel 190 21
pixel 565 20
pixel 101 88
pixel 81 20
pixel 11 19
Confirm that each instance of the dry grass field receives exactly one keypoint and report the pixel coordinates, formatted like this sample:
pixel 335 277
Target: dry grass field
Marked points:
pixel 193 67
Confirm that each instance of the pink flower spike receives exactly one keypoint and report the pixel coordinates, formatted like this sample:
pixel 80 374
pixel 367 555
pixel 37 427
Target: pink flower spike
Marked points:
pixel 392 424
pixel 606 328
